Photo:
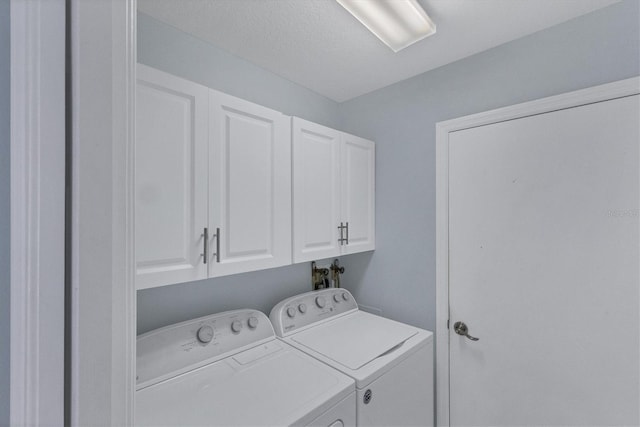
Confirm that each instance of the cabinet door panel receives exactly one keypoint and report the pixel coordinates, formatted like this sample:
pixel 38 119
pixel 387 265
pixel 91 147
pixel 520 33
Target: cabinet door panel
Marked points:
pixel 358 193
pixel 250 181
pixel 171 178
pixel 316 191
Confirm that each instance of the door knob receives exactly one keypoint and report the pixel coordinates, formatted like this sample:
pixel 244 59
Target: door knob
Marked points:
pixel 462 329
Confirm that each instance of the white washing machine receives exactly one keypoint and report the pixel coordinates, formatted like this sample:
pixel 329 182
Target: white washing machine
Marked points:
pixel 391 362
pixel 229 369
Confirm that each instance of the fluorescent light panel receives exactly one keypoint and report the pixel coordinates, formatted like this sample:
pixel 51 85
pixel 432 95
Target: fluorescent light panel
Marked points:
pixel 398 23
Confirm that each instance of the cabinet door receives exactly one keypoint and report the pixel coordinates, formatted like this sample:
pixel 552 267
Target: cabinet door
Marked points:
pixel 358 193
pixel 170 177
pixel 316 191
pixel 250 186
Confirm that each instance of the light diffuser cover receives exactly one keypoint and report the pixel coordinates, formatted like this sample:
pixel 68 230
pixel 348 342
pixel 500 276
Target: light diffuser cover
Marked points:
pixel 398 23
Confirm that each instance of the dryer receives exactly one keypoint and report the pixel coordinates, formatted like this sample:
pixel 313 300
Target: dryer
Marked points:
pixel 229 369
pixel 391 362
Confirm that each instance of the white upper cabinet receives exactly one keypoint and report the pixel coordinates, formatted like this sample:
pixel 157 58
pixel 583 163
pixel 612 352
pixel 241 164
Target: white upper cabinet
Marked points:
pixel 171 178
pixel 249 186
pixel 316 191
pixel 213 183
pixel 358 193
pixel 214 190
pixel 333 192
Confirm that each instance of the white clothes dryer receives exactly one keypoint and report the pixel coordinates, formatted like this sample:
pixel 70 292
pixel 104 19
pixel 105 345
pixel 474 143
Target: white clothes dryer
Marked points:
pixel 229 369
pixel 391 362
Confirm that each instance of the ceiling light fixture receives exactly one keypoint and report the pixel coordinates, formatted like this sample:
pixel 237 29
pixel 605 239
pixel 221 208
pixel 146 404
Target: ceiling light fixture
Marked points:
pixel 398 23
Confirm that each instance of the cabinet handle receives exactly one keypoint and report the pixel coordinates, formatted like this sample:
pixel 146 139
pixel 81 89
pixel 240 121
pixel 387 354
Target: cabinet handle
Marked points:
pixel 205 255
pixel 341 228
pixel 217 237
pixel 347 239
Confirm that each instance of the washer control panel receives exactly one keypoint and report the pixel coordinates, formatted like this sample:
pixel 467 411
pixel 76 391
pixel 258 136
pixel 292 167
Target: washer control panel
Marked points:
pixel 179 348
pixel 302 310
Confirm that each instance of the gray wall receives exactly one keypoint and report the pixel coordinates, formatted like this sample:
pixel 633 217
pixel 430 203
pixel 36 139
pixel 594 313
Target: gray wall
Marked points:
pixel 166 48
pixel 4 210
pixel 399 277
pixel 171 50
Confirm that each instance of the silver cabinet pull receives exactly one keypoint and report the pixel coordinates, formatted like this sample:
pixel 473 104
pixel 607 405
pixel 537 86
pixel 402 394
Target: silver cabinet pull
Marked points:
pixel 217 237
pixel 347 239
pixel 343 240
pixel 462 329
pixel 205 255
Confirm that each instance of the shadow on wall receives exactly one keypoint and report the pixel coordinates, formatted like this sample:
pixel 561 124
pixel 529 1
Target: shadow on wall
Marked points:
pixel 353 278
pixel 259 290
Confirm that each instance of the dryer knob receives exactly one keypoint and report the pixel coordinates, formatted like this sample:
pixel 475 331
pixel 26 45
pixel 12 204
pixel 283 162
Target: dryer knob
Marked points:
pixel 302 308
pixel 236 326
pixel 345 296
pixel 336 298
pixel 321 302
pixel 252 322
pixel 205 334
pixel 291 312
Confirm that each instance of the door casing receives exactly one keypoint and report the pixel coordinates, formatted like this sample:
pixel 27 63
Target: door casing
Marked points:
pixel 37 211
pixel 103 296
pixel 599 93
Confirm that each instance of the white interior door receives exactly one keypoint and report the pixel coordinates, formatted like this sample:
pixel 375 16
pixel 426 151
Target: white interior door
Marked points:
pixel 543 269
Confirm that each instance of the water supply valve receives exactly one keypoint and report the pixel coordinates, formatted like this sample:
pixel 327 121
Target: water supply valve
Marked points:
pixel 319 279
pixel 336 271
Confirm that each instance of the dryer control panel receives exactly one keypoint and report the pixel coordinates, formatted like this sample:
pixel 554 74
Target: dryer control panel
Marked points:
pixel 175 349
pixel 300 311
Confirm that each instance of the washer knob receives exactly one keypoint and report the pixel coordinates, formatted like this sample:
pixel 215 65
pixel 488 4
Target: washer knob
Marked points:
pixel 291 312
pixel 252 322
pixel 302 308
pixel 345 296
pixel 205 334
pixel 321 302
pixel 236 326
pixel 336 298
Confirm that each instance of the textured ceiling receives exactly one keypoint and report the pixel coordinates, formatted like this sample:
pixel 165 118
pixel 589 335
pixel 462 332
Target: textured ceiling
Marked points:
pixel 319 45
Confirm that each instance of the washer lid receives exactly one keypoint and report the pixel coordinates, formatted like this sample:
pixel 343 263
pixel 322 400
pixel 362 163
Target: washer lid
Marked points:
pixel 355 339
pixel 272 384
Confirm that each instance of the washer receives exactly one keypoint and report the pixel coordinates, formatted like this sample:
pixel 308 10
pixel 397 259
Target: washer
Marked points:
pixel 391 362
pixel 229 369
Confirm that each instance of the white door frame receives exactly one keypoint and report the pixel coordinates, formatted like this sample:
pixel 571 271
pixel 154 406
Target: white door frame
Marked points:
pixel 37 212
pixel 591 95
pixel 103 295
pixel 103 325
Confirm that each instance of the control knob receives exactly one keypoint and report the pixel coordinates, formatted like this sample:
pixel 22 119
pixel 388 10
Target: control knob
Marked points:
pixel 345 296
pixel 205 334
pixel 291 312
pixel 336 298
pixel 236 326
pixel 321 302
pixel 302 308
pixel 252 322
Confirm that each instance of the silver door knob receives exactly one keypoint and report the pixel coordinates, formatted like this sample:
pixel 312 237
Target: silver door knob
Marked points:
pixel 461 329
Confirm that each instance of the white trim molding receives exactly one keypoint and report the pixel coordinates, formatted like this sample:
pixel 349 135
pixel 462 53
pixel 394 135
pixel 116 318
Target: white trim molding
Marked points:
pixel 123 174
pixel 103 297
pixel 37 212
pixel 591 95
